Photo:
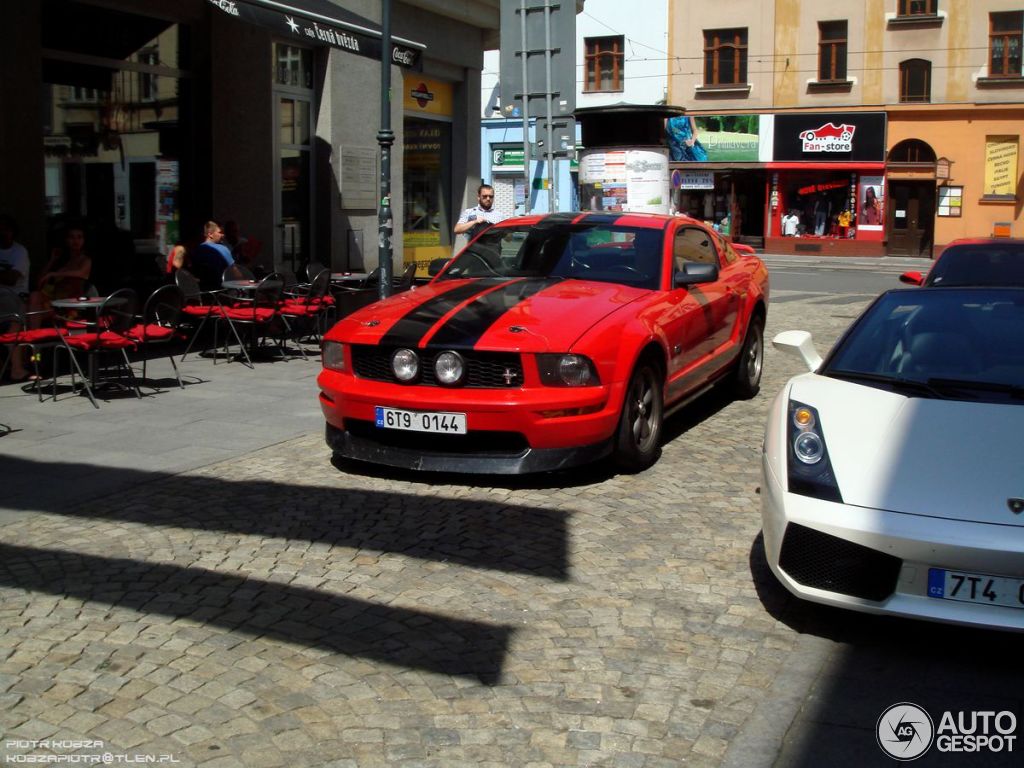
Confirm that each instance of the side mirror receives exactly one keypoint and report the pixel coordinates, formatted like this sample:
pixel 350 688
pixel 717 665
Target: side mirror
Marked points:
pixel 799 344
pixel 912 278
pixel 694 273
pixel 743 249
pixel 436 265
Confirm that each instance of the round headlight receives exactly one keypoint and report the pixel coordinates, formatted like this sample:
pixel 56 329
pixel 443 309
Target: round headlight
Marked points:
pixel 449 368
pixel 574 370
pixel 405 364
pixel 809 447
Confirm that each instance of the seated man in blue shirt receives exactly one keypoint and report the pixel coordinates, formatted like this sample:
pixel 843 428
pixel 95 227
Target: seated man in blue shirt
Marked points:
pixel 212 257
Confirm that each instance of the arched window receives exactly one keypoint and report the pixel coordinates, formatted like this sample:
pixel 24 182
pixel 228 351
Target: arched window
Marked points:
pixel 911 151
pixel 915 81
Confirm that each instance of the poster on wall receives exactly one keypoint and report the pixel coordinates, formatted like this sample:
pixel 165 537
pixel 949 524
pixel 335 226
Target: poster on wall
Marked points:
pixel 635 180
pixel 167 180
pixel 713 138
pixel 871 203
pixel 1001 166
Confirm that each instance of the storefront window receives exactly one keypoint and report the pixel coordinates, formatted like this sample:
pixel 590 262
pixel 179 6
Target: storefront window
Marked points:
pixel 110 134
pixel 427 228
pixel 821 203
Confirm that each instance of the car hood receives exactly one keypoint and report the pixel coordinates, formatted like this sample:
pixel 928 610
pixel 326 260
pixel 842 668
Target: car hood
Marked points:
pixel 519 315
pixel 940 458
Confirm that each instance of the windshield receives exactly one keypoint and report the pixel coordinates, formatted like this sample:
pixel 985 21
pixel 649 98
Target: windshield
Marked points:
pixel 959 343
pixel 979 264
pixel 602 252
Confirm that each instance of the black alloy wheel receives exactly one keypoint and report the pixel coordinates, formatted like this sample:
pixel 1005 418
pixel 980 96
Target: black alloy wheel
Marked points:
pixel 638 438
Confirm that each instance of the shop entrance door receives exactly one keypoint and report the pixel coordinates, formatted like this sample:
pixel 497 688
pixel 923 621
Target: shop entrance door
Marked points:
pixel 910 218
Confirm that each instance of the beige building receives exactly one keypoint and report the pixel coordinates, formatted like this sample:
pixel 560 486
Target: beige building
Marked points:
pixel 882 126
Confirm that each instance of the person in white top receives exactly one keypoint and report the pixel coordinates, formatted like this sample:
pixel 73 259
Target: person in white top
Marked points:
pixel 14 267
pixel 789 224
pixel 14 263
pixel 480 215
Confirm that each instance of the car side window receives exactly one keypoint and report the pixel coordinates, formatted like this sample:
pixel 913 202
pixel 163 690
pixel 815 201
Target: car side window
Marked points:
pixel 692 244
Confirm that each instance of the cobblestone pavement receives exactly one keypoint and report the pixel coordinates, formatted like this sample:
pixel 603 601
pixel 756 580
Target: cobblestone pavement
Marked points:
pixel 277 610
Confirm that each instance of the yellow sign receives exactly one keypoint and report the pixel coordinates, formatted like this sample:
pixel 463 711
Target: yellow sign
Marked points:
pixel 1001 165
pixel 423 95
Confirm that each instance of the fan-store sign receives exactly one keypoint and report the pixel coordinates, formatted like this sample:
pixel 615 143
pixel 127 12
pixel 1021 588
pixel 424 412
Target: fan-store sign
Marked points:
pixel 829 138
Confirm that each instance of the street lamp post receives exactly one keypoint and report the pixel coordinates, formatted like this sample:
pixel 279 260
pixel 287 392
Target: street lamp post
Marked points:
pixel 385 138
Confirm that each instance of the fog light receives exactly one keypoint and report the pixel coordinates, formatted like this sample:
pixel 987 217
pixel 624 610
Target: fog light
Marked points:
pixel 449 368
pixel 405 364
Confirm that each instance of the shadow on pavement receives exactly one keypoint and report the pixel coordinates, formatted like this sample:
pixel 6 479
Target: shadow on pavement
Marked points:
pixel 294 614
pixel 502 537
pixel 878 661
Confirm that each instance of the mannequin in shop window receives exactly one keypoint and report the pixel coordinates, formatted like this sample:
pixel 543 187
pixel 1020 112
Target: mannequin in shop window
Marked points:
pixel 822 209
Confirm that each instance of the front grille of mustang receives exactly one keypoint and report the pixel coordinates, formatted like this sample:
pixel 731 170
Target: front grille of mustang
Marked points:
pixel 475 443
pixel 484 370
pixel 816 559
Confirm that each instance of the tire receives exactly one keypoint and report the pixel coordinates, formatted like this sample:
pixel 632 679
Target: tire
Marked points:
pixel 746 380
pixel 638 437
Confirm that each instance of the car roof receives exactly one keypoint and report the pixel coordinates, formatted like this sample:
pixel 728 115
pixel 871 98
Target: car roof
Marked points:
pixel 1003 241
pixel 611 218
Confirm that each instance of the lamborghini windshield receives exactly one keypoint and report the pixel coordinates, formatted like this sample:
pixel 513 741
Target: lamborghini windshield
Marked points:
pixel 963 343
pixel 602 252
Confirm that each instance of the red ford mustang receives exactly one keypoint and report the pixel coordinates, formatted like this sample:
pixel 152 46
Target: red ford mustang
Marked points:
pixel 549 341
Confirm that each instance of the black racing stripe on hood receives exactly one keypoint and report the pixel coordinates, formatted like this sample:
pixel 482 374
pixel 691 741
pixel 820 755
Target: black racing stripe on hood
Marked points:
pixel 464 329
pixel 417 323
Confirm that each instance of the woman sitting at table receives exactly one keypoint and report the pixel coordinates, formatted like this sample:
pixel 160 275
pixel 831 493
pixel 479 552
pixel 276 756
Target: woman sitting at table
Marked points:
pixel 65 274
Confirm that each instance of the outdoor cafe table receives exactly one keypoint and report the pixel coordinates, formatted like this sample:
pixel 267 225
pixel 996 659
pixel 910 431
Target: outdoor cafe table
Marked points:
pixel 240 285
pixel 84 304
pixel 349 279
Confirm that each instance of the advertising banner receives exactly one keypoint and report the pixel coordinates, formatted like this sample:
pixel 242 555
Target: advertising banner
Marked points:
pixel 713 138
pixel 635 180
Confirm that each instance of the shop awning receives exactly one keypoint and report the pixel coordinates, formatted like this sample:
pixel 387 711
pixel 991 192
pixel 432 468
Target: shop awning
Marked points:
pixel 321 22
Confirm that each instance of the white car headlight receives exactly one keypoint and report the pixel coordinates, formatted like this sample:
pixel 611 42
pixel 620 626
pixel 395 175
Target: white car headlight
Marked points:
pixel 809 468
pixel 405 364
pixel 449 368
pixel 333 355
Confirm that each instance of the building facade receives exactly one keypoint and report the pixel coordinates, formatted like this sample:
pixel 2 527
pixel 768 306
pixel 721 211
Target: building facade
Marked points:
pixel 619 59
pixel 882 126
pixel 158 116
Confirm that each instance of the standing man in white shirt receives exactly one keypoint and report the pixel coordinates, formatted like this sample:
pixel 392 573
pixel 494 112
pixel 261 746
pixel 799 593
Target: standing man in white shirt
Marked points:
pixel 480 215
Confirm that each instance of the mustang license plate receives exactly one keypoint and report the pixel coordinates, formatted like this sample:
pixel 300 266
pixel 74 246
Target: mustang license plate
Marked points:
pixel 975 588
pixel 421 421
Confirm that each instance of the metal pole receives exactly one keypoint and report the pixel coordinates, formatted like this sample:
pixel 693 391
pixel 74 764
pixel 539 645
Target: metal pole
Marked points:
pixel 549 147
pixel 524 53
pixel 385 138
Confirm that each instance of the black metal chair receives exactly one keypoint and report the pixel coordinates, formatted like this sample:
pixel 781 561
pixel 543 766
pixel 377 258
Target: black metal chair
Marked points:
pixel 198 308
pixel 256 314
pixel 406 279
pixel 159 324
pixel 108 333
